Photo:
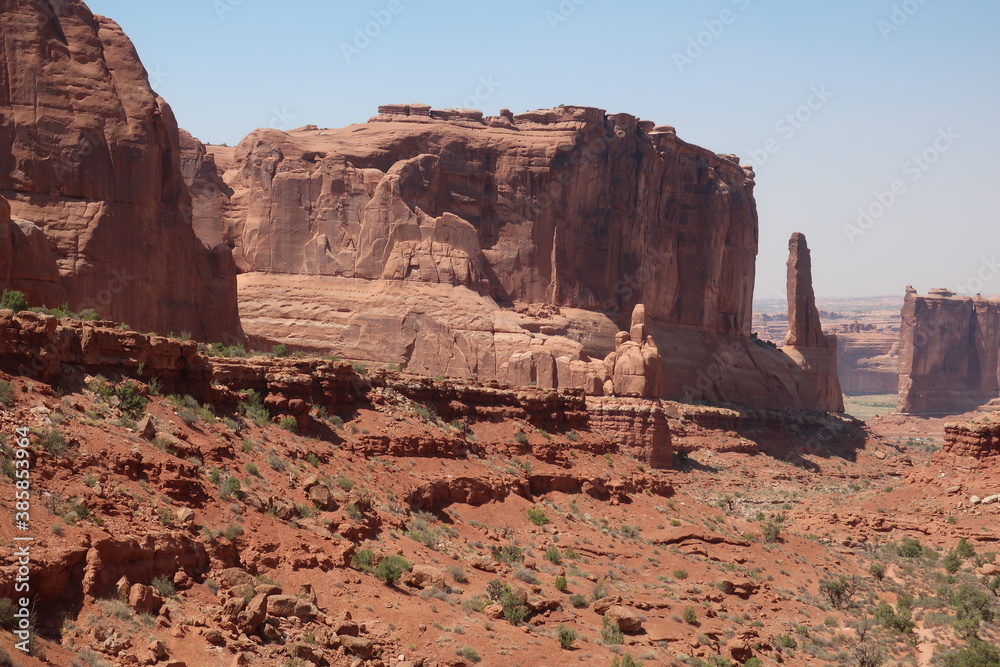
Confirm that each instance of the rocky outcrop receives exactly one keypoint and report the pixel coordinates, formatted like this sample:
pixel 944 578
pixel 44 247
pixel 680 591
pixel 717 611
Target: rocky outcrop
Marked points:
pixel 949 346
pixel 641 427
pixel 91 169
pixel 399 240
pixel 26 261
pixel 813 351
pixel 971 444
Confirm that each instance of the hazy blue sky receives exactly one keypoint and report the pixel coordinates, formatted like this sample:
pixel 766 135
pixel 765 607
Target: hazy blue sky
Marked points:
pixel 873 83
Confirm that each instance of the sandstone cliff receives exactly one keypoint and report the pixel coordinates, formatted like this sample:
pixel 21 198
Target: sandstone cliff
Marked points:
pixel 399 241
pixel 90 163
pixel 949 345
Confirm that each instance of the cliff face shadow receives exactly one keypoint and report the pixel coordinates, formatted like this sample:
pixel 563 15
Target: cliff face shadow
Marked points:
pixel 794 436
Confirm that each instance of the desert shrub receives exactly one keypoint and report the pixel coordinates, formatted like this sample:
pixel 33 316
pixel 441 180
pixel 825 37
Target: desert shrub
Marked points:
pixel 525 575
pixel 359 368
pixel 964 549
pixel 566 636
pixel 13 300
pixel 772 531
pixel 521 437
pixel 54 442
pixel 508 553
pixel 232 531
pixel 626 661
pixel 253 408
pixel 131 402
pixel 230 487
pixel 276 462
pixel 252 469
pixel 552 555
pixel 839 591
pixel 578 601
pixel 754 662
pixel 561 584
pixel 345 482
pixel 977 654
pixel 877 570
pixel 952 562
pixel 680 575
pixel 611 633
pixel 6 393
pixel 469 653
pixel 786 641
pixel 970 601
pixel 909 548
pixel 164 586
pixel 689 616
pixel 364 560
pixel 391 568
pixel 279 350
pixel 513 609
pixel 290 424
pixel 537 516
pixel 899 618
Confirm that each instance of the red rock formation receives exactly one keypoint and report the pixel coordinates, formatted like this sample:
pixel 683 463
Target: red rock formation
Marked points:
pixel 91 158
pixel 971 444
pixel 393 241
pixel 814 352
pixel 948 352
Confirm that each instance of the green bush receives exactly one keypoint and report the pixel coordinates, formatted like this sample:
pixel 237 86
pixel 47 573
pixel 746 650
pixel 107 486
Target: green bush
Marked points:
pixel 508 553
pixel 552 555
pixel 977 654
pixel 680 575
pixel 689 616
pixel 578 601
pixel 513 609
pixel 53 442
pixel 561 584
pixel 391 568
pixel 964 549
pixel 12 300
pixel 899 618
pixel 537 516
pixel 280 350
pixel 230 487
pixel 772 531
pixel 626 661
pixel 253 408
pixel 130 401
pixel 910 548
pixel 839 591
pixel 952 562
pixel 364 560
pixel 786 641
pixel 877 570
pixel 469 653
pixel 164 586
pixel 345 482
pixel 521 437
pixel 611 633
pixel 754 662
pixel 290 424
pixel 566 636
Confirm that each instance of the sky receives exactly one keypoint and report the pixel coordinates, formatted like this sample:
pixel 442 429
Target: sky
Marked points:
pixel 872 124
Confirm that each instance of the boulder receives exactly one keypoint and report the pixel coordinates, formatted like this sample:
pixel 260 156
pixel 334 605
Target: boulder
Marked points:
pixel 627 619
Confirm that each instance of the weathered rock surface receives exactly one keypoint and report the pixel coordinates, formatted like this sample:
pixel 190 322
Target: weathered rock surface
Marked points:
pixel 90 167
pixel 949 346
pixel 971 444
pixel 394 241
pixel 814 351
pixel 867 358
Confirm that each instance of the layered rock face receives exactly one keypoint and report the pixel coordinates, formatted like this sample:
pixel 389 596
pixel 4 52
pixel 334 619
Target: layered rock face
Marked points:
pixel 814 351
pixel 971 444
pixel 867 358
pixel 948 352
pixel 395 241
pixel 90 163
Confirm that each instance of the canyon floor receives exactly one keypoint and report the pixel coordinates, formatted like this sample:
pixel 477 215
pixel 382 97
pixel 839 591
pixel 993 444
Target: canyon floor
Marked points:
pixel 176 533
